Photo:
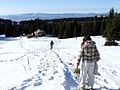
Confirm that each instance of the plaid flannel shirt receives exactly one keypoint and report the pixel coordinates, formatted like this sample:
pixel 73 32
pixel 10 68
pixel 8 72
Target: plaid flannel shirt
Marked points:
pixel 89 51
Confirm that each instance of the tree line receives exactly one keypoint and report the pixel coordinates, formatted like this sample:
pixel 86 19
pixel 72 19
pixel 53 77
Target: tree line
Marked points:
pixel 107 26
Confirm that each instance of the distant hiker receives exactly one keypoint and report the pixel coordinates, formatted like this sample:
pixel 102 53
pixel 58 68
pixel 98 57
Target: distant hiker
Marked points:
pixel 51 44
pixel 87 57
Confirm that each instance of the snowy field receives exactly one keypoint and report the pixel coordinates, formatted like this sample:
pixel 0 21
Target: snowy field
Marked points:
pixel 29 64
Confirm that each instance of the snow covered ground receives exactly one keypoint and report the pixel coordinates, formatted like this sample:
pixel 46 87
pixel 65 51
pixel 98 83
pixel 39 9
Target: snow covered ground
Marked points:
pixel 29 64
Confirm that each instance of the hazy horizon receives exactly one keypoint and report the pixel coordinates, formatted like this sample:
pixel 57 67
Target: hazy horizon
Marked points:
pixel 10 7
pixel 55 13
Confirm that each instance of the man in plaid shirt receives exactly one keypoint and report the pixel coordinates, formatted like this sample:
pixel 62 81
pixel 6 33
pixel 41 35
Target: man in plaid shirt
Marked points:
pixel 88 55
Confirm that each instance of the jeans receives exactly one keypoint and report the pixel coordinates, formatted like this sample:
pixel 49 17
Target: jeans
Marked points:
pixel 87 74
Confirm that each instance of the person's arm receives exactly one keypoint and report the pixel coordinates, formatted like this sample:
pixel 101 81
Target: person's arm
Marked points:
pixel 80 56
pixel 78 61
pixel 97 54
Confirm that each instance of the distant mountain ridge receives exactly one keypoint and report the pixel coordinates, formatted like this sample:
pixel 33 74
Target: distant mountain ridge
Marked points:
pixel 44 16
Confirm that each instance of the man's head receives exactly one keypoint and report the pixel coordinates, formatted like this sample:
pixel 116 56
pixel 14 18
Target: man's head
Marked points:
pixel 87 38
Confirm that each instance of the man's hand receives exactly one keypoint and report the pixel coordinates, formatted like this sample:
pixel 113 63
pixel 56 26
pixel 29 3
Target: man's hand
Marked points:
pixel 78 62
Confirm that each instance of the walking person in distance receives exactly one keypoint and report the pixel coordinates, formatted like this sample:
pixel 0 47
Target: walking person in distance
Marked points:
pixel 51 44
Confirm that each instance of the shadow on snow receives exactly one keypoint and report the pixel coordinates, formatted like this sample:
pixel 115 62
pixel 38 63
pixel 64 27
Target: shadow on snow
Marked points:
pixel 69 81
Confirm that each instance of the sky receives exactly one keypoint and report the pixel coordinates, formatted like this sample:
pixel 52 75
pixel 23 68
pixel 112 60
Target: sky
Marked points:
pixel 30 64
pixel 8 7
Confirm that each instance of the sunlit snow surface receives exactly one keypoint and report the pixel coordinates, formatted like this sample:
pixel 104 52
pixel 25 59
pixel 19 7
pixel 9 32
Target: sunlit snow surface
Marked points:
pixel 29 64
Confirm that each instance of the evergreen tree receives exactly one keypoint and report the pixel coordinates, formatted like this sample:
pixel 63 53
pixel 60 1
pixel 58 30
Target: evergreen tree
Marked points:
pixel 102 28
pixel 109 30
pixel 75 32
pixel 111 13
pixel 61 30
pixel 112 30
pixel 31 27
pixel 17 30
pixel 79 28
pixel 67 31
pixel 55 30
pixel 1 28
pixel 9 31
pixel 49 28
pixel 37 24
pixel 87 28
